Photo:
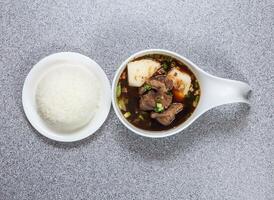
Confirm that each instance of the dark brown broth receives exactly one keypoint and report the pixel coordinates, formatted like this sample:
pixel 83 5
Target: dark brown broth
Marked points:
pixel 133 97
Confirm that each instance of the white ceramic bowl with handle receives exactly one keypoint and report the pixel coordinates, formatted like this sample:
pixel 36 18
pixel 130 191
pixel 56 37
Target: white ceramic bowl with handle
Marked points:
pixel 215 91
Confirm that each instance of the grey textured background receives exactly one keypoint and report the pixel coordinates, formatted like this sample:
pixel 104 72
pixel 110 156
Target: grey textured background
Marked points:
pixel 228 153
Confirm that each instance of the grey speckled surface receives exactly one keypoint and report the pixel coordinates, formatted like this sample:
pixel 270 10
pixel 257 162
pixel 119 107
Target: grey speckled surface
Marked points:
pixel 227 154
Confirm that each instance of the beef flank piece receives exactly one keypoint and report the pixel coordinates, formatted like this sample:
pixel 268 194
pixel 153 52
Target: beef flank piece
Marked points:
pixel 148 101
pixel 157 85
pixel 164 99
pixel 163 79
pixel 152 84
pixel 164 85
pixel 159 78
pixel 167 116
pixel 160 83
pixel 169 84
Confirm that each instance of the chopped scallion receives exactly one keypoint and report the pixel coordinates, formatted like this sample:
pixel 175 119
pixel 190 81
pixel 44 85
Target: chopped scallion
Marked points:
pixel 195 102
pixel 141 117
pixel 122 105
pixel 118 90
pixel 166 66
pixel 127 114
pixel 159 108
pixel 147 87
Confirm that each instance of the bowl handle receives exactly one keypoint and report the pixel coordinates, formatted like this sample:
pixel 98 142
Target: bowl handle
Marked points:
pixel 218 91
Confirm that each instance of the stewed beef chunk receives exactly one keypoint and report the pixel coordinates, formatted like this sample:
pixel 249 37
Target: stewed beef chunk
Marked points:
pixel 162 78
pixel 148 101
pixel 164 99
pixel 168 116
pixel 157 85
pixel 169 84
pixel 160 83
pixel 159 78
pixel 158 88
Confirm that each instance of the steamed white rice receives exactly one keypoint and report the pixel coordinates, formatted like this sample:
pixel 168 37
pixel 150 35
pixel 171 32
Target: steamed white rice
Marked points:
pixel 67 97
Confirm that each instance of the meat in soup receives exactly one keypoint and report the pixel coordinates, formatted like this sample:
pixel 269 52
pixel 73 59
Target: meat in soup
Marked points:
pixel 157 92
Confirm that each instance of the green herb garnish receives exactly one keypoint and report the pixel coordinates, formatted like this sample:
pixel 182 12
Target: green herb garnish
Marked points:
pixel 166 66
pixel 122 105
pixel 147 87
pixel 196 84
pixel 118 90
pixel 159 108
pixel 195 103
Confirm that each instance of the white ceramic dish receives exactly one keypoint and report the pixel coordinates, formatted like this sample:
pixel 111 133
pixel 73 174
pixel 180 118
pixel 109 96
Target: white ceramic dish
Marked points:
pixel 29 88
pixel 215 91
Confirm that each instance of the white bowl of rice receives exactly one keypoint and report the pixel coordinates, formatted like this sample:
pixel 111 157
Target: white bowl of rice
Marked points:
pixel 66 96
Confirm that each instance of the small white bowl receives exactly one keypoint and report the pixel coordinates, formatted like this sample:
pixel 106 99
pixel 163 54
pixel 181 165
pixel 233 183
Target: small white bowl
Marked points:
pixel 215 91
pixel 29 89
